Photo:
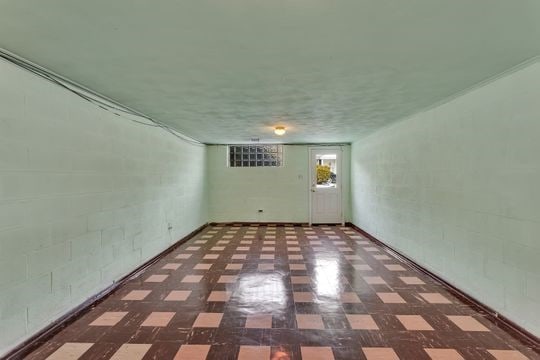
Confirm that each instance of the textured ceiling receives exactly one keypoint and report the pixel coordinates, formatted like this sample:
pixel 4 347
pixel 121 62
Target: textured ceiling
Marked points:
pixel 224 71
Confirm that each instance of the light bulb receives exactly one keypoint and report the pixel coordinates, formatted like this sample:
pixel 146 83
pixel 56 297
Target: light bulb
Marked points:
pixel 279 130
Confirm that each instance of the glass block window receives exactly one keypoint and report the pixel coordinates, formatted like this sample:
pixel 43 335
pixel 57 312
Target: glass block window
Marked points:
pixel 255 155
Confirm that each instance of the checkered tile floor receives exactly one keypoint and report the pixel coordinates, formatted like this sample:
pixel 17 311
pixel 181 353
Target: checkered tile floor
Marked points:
pixel 282 292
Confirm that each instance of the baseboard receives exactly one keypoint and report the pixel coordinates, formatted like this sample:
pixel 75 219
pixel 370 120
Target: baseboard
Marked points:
pixel 258 223
pixel 267 223
pixel 29 345
pixel 518 332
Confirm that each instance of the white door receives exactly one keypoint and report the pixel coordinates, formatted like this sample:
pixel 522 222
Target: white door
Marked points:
pixel 325 185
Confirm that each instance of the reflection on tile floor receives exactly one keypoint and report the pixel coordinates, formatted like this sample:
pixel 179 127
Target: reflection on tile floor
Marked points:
pixel 282 292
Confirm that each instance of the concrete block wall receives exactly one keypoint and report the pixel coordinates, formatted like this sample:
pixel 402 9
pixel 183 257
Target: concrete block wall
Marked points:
pixel 85 197
pixel 282 192
pixel 457 188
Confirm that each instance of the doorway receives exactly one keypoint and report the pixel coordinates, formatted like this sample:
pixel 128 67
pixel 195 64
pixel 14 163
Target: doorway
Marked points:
pixel 325 185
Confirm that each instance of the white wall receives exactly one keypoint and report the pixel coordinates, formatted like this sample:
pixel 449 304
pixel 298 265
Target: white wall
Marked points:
pixel 457 188
pixel 282 192
pixel 85 197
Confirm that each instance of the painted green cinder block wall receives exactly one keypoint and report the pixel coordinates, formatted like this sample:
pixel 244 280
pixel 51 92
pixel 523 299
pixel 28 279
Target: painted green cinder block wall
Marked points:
pixel 457 189
pixel 282 193
pixel 85 197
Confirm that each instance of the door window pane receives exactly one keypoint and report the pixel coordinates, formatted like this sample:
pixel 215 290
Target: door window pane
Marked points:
pixel 326 168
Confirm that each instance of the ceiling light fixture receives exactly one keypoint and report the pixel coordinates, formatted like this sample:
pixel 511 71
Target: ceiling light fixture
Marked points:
pixel 279 130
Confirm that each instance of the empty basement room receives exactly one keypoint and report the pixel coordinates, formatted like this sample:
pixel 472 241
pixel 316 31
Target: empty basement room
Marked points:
pixel 270 180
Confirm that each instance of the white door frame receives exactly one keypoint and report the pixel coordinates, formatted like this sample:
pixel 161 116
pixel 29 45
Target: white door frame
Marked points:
pixel 338 184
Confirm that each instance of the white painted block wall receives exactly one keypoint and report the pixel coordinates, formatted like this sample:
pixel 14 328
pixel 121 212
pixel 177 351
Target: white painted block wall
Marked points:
pixel 282 192
pixel 457 188
pixel 85 197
